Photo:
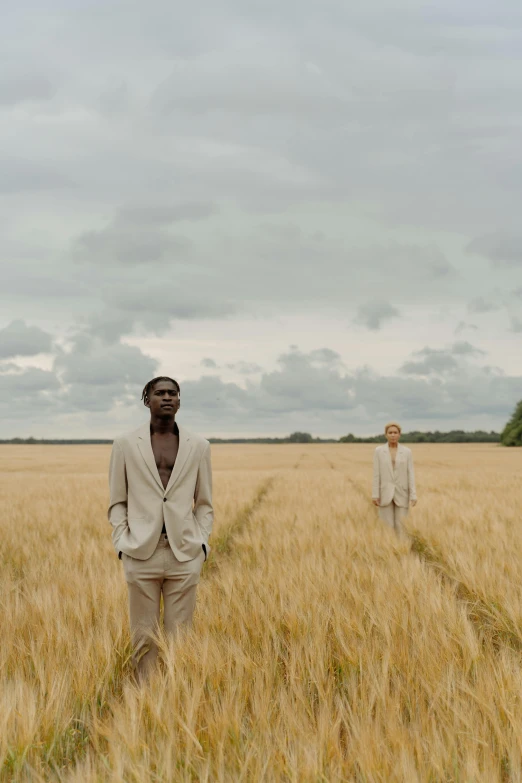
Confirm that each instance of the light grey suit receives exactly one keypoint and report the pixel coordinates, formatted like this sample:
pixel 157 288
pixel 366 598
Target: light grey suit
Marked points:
pixel 139 504
pixel 156 563
pixel 394 488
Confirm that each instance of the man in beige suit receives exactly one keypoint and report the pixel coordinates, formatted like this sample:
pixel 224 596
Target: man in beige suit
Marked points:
pixel 160 482
pixel 393 479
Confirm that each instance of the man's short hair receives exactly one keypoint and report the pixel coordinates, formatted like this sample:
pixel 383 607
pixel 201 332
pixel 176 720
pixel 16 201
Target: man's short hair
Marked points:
pixel 151 384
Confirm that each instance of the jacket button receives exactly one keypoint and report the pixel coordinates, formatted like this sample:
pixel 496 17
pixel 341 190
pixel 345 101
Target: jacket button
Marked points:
pixel 164 500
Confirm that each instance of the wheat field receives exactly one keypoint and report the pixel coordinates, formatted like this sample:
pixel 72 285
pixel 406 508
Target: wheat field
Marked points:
pixel 323 648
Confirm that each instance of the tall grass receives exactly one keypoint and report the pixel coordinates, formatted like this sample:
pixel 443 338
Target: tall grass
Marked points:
pixel 322 648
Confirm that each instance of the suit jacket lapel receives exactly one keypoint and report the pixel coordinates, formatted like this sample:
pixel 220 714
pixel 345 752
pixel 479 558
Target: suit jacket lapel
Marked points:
pixel 184 450
pixel 145 448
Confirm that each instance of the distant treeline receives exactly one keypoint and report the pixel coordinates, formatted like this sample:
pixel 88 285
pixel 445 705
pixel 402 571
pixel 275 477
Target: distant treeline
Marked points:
pixel 295 437
pixel 455 436
pixel 57 441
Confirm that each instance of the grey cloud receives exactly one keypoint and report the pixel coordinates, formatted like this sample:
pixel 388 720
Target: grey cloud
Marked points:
pixel 89 377
pixel 96 376
pixel 127 245
pixel 245 368
pixel 24 391
pixel 310 390
pixel 19 339
pixel 99 378
pixel 473 392
pixel 516 325
pixel 327 264
pixel 91 362
pixel 152 307
pixel 140 234
pixel 115 100
pixel 499 248
pixel 463 348
pixel 441 361
pixel 305 379
pixel 241 367
pixel 228 274
pixel 110 326
pixel 374 314
pixel 259 87
pixel 482 305
pixel 31 282
pixel 302 382
pixel 25 382
pixel 322 357
pixel 28 175
pixel 438 362
pixel 156 304
pixel 19 87
pixel 84 398
pixel 211 394
pixel 302 394
pixel 153 215
pixel 328 268
pixel 462 326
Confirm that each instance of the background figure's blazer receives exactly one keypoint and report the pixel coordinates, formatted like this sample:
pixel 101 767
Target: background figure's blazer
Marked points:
pixel 139 504
pixel 390 485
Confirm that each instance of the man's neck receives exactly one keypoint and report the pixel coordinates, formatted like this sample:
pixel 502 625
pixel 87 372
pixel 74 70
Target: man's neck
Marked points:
pixel 160 425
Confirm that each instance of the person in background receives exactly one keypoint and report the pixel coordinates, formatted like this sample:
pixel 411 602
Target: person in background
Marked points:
pixel 393 479
pixel 160 481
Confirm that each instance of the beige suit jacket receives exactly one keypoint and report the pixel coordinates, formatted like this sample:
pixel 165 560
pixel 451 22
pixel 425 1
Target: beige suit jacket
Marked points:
pixel 139 505
pixel 398 485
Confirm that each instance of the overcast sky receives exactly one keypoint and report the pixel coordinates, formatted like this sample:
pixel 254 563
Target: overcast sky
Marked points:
pixel 306 212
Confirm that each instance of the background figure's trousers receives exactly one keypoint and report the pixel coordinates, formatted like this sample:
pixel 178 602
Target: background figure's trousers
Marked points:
pixel 394 516
pixel 146 581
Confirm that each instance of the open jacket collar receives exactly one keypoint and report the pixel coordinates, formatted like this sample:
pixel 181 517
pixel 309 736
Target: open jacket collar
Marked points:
pixel 400 450
pixel 145 448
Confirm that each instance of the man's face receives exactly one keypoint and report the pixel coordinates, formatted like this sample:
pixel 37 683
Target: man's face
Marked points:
pixel 163 399
pixel 393 435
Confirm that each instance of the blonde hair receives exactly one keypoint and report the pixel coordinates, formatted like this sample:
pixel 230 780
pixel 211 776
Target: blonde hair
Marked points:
pixel 392 424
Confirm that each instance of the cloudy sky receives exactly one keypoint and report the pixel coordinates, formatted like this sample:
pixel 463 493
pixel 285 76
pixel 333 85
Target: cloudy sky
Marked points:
pixel 306 212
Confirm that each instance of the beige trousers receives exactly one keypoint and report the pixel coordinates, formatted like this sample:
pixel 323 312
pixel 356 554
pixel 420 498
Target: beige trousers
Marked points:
pixel 147 580
pixel 394 516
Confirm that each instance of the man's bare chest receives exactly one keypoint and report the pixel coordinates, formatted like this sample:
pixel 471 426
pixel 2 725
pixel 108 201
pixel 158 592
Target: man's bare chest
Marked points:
pixel 165 451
